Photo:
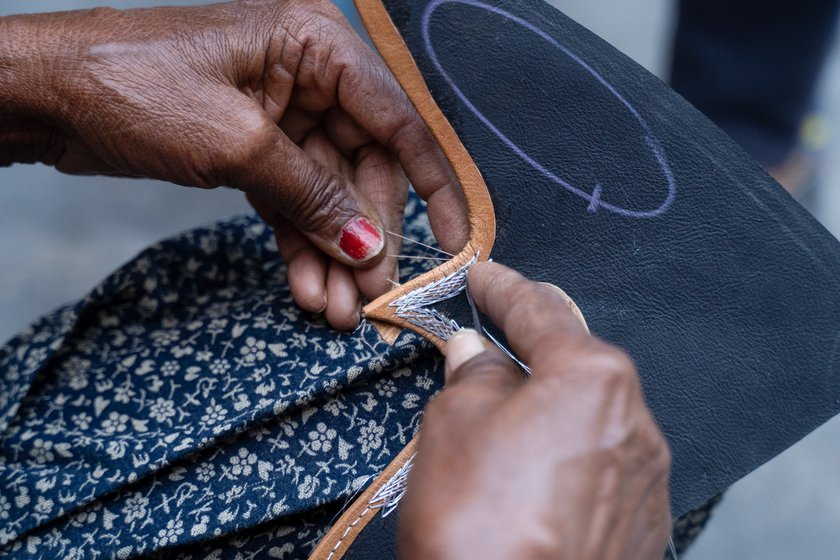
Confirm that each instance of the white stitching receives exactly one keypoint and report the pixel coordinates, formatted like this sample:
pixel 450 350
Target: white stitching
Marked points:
pixel 387 497
pixel 415 307
pixel 346 531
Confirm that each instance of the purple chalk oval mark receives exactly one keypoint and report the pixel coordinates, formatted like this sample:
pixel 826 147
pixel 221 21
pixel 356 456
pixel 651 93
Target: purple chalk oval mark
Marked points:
pixel 594 199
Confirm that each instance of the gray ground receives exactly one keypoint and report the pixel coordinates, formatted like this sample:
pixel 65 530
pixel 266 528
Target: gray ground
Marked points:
pixel 63 234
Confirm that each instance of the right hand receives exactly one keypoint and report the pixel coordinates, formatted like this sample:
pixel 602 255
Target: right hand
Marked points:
pixel 566 465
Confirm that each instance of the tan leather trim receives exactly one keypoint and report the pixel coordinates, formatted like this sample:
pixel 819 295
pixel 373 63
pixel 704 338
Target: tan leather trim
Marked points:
pixel 394 51
pixel 342 534
pixel 572 305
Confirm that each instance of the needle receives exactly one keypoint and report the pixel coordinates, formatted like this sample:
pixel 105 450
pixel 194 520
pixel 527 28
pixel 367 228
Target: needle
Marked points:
pixel 476 317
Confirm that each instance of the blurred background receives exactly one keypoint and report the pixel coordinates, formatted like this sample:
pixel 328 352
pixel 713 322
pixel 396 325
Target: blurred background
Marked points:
pixel 61 235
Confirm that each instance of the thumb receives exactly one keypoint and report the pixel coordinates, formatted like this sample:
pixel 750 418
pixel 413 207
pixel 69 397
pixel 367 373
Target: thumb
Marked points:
pixel 323 204
pixel 462 347
pixel 471 361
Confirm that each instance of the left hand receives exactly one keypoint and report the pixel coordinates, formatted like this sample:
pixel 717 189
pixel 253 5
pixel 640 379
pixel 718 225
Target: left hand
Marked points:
pixel 278 98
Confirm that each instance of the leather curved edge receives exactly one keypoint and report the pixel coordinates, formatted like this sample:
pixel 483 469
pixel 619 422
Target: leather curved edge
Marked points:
pixel 482 218
pixel 573 307
pixel 353 521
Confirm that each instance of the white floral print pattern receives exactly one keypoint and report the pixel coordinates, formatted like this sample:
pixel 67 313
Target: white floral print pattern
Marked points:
pixel 188 405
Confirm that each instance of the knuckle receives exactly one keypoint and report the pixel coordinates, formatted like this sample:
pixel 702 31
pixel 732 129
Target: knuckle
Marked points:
pixel 249 142
pixel 322 202
pixel 320 27
pixel 530 294
pixel 605 362
pixel 441 407
pixel 540 311
pixel 410 135
pixel 584 356
pixel 491 370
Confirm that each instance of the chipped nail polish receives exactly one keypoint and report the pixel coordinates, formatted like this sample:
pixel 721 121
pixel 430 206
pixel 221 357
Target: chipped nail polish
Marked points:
pixel 360 240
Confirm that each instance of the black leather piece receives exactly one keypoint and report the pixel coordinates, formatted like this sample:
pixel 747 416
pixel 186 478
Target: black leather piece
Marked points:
pixel 378 541
pixel 674 243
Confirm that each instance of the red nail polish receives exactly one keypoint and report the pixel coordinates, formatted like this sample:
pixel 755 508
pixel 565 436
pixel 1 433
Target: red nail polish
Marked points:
pixel 360 240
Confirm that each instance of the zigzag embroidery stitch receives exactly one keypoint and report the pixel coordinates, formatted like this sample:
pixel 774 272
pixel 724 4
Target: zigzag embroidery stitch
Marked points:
pixel 416 307
pixel 389 496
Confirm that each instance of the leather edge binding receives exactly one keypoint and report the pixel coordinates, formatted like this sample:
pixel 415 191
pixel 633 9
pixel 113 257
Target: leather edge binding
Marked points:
pixel 352 522
pixel 482 218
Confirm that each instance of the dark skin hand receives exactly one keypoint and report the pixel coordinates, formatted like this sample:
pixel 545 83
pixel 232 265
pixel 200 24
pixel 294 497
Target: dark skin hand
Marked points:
pixel 280 99
pixel 569 465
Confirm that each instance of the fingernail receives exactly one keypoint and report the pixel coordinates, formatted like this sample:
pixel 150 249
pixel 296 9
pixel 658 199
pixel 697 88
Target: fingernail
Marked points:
pixel 359 314
pixel 323 307
pixel 462 347
pixel 360 240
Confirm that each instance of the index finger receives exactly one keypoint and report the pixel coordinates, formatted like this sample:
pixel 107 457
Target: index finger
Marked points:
pixel 535 318
pixel 369 93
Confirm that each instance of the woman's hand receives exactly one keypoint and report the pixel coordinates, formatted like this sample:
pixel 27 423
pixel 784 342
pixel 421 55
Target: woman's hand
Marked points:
pixel 566 465
pixel 280 99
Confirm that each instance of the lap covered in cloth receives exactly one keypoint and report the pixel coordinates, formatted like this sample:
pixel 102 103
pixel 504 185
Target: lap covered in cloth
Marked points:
pixel 187 407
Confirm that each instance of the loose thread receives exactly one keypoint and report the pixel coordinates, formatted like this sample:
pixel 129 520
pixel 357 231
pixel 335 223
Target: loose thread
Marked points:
pixel 351 498
pixel 364 324
pixel 476 316
pixel 509 354
pixel 436 249
pixel 418 257
pixel 672 548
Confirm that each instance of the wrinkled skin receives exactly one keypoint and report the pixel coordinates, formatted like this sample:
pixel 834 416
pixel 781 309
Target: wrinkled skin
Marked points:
pixel 568 465
pixel 280 99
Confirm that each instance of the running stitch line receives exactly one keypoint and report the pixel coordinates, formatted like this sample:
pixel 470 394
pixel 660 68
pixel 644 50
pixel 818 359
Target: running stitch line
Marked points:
pixel 346 531
pixel 386 498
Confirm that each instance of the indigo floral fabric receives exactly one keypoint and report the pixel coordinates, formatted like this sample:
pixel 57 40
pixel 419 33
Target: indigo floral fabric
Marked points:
pixel 188 408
